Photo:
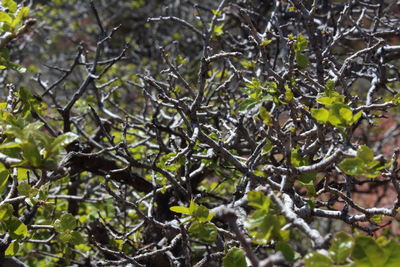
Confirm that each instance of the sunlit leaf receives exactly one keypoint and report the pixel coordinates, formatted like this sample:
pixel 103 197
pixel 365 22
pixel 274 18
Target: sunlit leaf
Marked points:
pixel 235 257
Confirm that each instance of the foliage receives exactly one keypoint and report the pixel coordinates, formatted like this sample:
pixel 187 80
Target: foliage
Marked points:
pixel 199 133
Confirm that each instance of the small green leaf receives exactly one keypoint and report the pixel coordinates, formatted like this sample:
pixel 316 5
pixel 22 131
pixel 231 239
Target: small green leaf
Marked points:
pixel 377 218
pixel 65 237
pixel 267 147
pixel 396 99
pixel 235 257
pixel 286 250
pixel 357 116
pixel 4 17
pixel 301 43
pixel 24 189
pixel 76 238
pixel 31 153
pixel 10 4
pixel 12 249
pixel 21 15
pixel 216 12
pixel 365 153
pixel 326 100
pixel 341 247
pixel 66 222
pixel 392 250
pixel 308 177
pixel 330 85
pixel 315 259
pixel 12 145
pixel 297 159
pixel 6 211
pixel 258 200
pixel 61 141
pixel 265 116
pixel 320 114
pixel 206 232
pixel 346 113
pixel 3 180
pixel 352 166
pixel 265 42
pixel 16 67
pixel 301 60
pixel 201 213
pixel 17 228
pixel 288 94
pixel 366 252
pixel 180 209
pixel 248 104
pixel 218 29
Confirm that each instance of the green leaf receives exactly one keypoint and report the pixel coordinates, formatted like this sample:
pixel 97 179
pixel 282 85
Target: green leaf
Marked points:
pixel 216 12
pixel 301 43
pixel 392 252
pixel 31 153
pixel 248 104
pixel 265 227
pixel 201 213
pixel 326 100
pixel 267 147
pixel 308 177
pixel 76 238
pixel 357 116
pixel 66 222
pixel 396 99
pixel 4 17
pixel 180 209
pixel 235 257
pixel 62 140
pixel 288 94
pixel 16 67
pixel 352 166
pixel 286 250
pixel 44 192
pixel 206 232
pixel 298 160
pixel 10 4
pixel 22 14
pixel 258 200
pixel 17 228
pixel 377 218
pixel 365 154
pixel 315 259
pixel 65 237
pixel 12 249
pixel 218 29
pixel 265 116
pixel 265 42
pixel 320 114
pixel 301 60
pixel 24 189
pixel 12 145
pixel 3 180
pixel 341 247
pixel 367 253
pixel 6 211
pixel 346 113
pixel 22 174
pixel 330 85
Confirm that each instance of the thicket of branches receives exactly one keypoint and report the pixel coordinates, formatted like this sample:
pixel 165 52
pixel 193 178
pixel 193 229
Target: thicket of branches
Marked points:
pixel 199 133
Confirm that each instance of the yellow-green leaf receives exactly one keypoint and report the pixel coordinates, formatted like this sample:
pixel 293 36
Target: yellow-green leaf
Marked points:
pixel 265 42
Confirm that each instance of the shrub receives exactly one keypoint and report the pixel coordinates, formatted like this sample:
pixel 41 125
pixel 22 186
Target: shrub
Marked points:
pixel 234 133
